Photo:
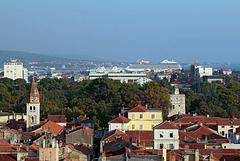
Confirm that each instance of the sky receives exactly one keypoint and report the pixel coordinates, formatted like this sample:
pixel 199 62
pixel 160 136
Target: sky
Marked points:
pixel 124 30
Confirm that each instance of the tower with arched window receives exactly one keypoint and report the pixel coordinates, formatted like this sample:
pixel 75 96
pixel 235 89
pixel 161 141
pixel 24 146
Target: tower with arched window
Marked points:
pixel 33 106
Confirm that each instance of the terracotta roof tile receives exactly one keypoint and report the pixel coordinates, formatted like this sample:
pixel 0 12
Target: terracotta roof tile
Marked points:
pixel 85 149
pixel 228 122
pixel 120 119
pixel 138 108
pixel 166 125
pixel 4 142
pixel 57 118
pixel 50 126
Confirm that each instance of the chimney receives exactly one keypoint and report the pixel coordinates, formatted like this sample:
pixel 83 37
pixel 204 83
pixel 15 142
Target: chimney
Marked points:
pixel 207 115
pixel 27 148
pixel 130 142
pixel 85 115
pixel 146 106
pixel 44 143
pixel 53 143
pixel 180 125
pixel 196 155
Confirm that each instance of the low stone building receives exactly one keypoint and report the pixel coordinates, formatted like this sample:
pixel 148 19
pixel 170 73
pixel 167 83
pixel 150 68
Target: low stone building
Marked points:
pixel 80 135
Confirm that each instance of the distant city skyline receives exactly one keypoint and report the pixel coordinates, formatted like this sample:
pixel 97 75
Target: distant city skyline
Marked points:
pixel 127 31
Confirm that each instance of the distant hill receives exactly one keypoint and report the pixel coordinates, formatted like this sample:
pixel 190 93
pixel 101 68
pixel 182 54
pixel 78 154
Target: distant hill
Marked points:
pixel 25 56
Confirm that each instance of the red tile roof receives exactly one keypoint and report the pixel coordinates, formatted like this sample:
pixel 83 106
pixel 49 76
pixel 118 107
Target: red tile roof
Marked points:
pixel 57 118
pixel 111 135
pixel 8 157
pixel 70 146
pixel 4 142
pixel 84 128
pixel 138 137
pixel 189 119
pixel 228 122
pixel 176 82
pixel 50 126
pixel 85 149
pixel 120 119
pixel 84 119
pixel 138 108
pixel 166 125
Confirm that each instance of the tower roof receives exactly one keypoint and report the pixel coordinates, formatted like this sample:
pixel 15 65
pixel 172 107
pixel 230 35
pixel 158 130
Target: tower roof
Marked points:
pixel 33 88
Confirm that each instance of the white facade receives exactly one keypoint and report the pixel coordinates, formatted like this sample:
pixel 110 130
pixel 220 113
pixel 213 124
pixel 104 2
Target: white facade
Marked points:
pixel 13 69
pixel 178 103
pixel 223 129
pixel 139 77
pixel 165 138
pixel 33 114
pixel 25 74
pixel 230 146
pixel 119 126
pixel 200 71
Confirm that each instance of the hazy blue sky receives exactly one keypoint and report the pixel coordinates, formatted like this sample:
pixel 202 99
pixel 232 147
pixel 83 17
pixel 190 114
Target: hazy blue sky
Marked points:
pixel 185 31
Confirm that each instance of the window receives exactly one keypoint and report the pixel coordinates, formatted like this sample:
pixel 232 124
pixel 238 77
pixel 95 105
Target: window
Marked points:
pixel 171 146
pixel 133 127
pixel 34 108
pixel 171 134
pixel 161 146
pixel 153 116
pixel 32 119
pixel 179 105
pixel 141 116
pixel 140 127
pixel 31 108
pixel 231 126
pixel 161 134
pixel 222 126
pixel 133 116
pixel 223 133
pixel 173 106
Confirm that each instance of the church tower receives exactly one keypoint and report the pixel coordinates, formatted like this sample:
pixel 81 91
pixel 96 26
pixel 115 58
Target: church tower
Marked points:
pixel 33 106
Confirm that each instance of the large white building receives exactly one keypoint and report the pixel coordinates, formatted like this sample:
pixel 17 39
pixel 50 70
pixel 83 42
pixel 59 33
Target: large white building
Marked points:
pixel 14 70
pixel 200 71
pixel 119 74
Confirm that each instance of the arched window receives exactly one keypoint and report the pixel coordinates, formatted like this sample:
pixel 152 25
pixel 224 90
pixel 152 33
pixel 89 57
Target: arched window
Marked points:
pixel 34 108
pixel 31 108
pixel 32 119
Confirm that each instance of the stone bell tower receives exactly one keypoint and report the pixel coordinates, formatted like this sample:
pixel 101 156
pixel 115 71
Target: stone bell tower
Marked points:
pixel 33 106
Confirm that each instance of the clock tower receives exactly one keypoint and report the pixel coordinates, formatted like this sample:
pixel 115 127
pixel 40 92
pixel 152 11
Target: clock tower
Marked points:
pixel 33 107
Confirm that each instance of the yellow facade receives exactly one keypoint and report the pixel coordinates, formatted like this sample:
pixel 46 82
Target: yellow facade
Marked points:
pixel 144 120
pixel 4 118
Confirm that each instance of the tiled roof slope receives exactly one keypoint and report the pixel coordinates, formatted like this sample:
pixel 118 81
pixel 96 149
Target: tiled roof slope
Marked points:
pixel 120 119
pixel 192 119
pixel 33 88
pixel 57 118
pixel 228 121
pixel 138 108
pixel 85 149
pixel 166 125
pixel 50 126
